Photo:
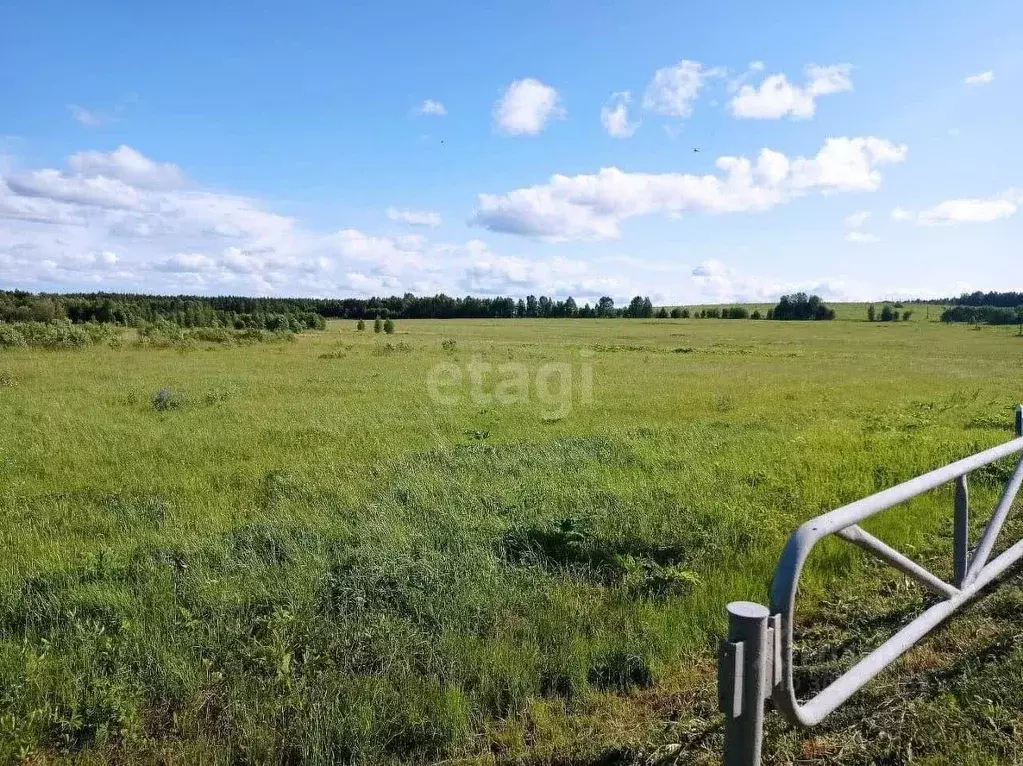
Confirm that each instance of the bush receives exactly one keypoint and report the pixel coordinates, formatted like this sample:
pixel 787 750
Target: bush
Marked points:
pixel 676 313
pixel 662 313
pixel 389 326
pixel 994 315
pixel 165 400
pixel 378 325
pixel 802 307
pixel 360 325
pixel 888 314
pixel 51 335
pixel 755 314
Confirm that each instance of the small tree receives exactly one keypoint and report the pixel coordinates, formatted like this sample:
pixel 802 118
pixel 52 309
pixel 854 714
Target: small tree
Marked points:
pixel 888 314
pixel 360 325
pixel 871 313
pixel 685 313
pixel 389 326
pixel 676 313
pixel 906 315
pixel 378 325
pixel 755 314
pixel 662 313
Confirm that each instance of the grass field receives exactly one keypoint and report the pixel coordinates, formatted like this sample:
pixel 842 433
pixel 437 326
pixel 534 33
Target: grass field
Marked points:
pixel 329 551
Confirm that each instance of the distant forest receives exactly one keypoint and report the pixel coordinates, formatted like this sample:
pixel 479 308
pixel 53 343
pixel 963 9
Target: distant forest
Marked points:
pixel 986 308
pixel 136 310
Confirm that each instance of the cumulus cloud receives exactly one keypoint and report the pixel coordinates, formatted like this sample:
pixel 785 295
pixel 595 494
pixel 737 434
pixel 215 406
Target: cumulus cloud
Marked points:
pixel 614 116
pixel 776 97
pixel 964 210
pixel 673 89
pixel 854 232
pixel 525 108
pixel 593 206
pixel 414 217
pixel 129 166
pixel 718 283
pixel 981 78
pixel 431 108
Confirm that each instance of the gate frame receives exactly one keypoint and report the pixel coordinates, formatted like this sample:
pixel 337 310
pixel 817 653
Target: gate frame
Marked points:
pixel 755 661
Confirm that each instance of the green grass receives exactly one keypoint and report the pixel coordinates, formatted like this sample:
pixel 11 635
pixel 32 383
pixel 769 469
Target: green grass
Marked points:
pixel 312 559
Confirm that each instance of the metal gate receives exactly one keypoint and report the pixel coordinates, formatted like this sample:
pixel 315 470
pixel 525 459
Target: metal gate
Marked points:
pixel 755 660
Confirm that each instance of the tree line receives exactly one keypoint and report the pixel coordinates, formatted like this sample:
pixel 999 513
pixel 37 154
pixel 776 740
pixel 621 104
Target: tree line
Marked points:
pixel 296 314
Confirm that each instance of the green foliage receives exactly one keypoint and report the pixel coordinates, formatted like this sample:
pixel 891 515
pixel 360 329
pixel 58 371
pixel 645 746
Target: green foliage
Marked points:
pixel 378 325
pixel 802 307
pixel 238 579
pixel 53 335
pixel 389 326
pixel 994 315
pixel 360 325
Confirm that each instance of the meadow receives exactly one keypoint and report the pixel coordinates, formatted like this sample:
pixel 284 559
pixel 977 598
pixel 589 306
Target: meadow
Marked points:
pixel 484 541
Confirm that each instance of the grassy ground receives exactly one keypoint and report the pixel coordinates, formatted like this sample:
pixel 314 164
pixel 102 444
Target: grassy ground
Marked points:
pixel 328 551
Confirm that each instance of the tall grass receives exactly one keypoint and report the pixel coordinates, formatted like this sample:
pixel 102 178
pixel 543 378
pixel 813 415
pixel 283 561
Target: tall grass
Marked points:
pixel 312 560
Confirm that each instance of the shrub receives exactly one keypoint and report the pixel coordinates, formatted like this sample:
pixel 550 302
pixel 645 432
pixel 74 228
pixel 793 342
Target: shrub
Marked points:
pixel 802 307
pixel 165 399
pixel 676 313
pixel 449 345
pixel 994 315
pixel 888 314
pixel 906 315
pixel 662 313
pixel 871 313
pixel 360 325
pixel 755 314
pixel 378 325
pixel 389 326
pixel 11 337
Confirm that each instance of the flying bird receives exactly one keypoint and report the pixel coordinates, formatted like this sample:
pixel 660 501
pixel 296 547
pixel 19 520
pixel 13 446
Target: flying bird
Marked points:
pixel 695 149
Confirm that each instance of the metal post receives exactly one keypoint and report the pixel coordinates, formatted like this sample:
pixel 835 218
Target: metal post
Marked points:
pixel 1019 420
pixel 742 690
pixel 961 542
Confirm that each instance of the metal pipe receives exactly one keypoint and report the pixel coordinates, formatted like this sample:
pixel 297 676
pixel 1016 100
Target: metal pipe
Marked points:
pixel 863 539
pixel 802 541
pixel 961 533
pixel 994 526
pixel 870 666
pixel 744 733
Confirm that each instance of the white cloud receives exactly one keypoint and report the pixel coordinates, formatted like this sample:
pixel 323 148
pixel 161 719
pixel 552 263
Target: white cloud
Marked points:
pixel 776 97
pixel 673 89
pixel 854 224
pixel 861 237
pixel 431 107
pixel 614 116
pixel 592 206
pixel 856 220
pixel 718 283
pixel 981 78
pixel 956 211
pixel 525 108
pixel 127 165
pixel 89 117
pixel 414 217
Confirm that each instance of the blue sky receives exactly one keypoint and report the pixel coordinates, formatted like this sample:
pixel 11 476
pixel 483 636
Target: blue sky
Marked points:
pixel 862 151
